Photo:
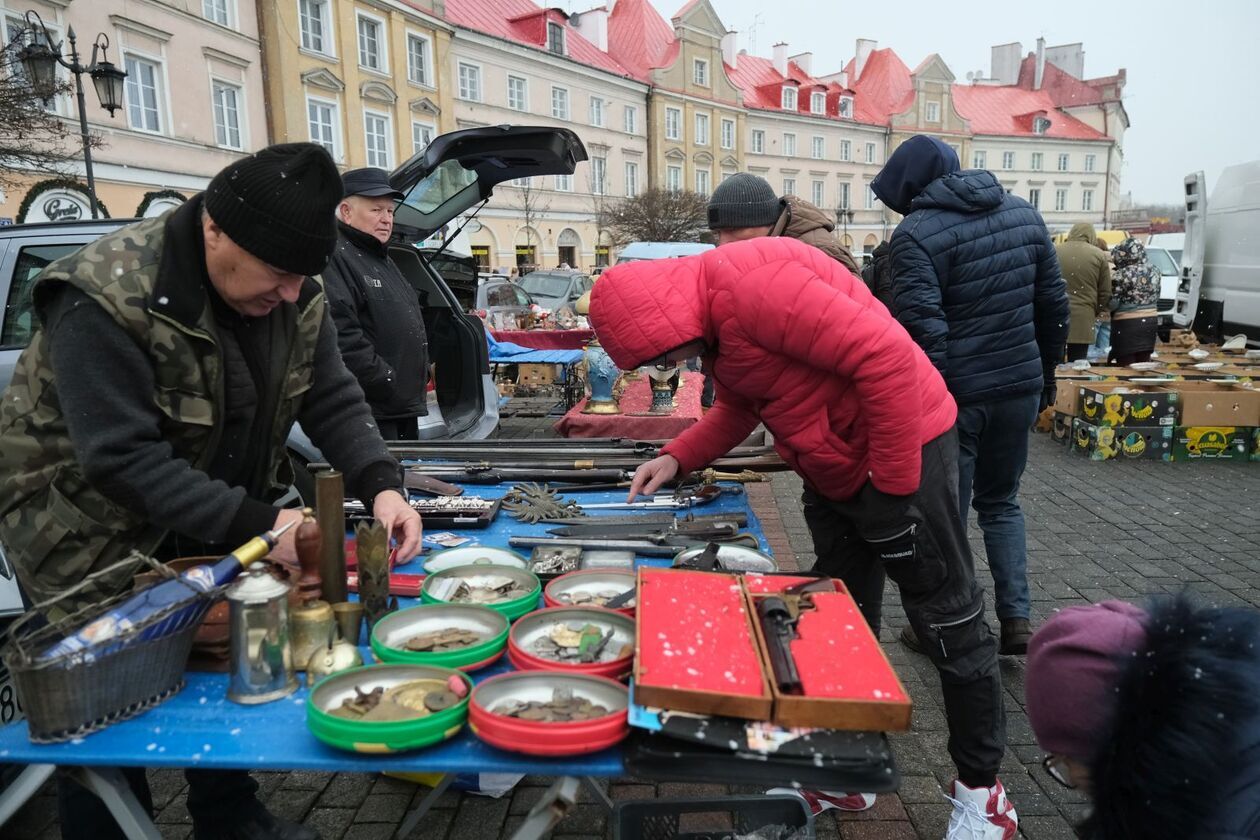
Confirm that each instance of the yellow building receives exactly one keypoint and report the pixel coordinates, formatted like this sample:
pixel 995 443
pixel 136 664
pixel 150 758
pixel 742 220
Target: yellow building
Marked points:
pixel 367 80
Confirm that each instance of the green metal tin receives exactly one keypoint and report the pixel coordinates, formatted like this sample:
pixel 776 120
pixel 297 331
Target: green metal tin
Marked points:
pixel 392 632
pixel 512 609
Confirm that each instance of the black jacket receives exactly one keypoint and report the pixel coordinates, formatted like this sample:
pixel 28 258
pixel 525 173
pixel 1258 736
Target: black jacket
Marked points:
pixel 380 325
pixel 878 275
pixel 976 280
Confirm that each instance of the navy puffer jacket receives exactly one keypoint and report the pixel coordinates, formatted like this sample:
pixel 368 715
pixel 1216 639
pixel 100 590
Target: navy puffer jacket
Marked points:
pixel 976 280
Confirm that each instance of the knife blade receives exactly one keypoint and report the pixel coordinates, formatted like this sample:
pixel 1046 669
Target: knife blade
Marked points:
pixel 651 519
pixel 597 529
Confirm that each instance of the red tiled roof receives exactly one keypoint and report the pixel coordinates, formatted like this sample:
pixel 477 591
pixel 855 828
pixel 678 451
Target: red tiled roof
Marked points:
pixel 638 37
pixel 884 88
pixel 762 84
pixel 1064 89
pixel 522 22
pixel 1009 111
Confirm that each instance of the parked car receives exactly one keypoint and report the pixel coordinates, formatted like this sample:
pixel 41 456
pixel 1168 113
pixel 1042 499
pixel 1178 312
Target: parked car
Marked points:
pixel 500 301
pixel 1173 243
pixel 1169 277
pixel 553 288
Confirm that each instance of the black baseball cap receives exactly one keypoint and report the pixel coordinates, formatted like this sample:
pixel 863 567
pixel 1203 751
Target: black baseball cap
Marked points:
pixel 369 181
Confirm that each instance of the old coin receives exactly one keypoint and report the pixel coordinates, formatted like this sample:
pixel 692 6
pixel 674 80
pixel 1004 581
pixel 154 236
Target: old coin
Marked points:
pixel 436 701
pixel 442 640
pixel 562 708
pixel 414 694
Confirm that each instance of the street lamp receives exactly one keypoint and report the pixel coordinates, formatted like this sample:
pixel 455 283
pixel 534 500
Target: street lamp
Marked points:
pixel 40 60
pixel 844 215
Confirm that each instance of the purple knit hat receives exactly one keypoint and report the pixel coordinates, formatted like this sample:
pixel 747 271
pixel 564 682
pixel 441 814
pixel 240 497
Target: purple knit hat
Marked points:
pixel 1074 664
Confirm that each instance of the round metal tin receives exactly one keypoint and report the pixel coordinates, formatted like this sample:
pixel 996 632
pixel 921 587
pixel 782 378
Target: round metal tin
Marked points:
pixel 473 555
pixel 548 738
pixel 733 558
pixel 481 575
pixel 390 636
pixel 381 736
pixel 590 582
pixel 538 624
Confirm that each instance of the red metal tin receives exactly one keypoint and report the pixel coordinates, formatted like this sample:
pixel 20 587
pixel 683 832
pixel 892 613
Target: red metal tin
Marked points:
pixel 592 581
pixel 548 738
pixel 530 626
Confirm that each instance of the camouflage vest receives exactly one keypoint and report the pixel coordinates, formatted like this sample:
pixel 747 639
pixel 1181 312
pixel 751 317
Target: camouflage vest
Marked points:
pixel 55 527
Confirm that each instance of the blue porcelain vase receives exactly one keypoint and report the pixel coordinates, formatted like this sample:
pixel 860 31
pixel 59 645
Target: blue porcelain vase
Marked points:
pixel 601 376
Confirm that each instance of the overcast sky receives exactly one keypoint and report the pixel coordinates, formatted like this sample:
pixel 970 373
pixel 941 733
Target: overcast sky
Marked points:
pixel 1192 66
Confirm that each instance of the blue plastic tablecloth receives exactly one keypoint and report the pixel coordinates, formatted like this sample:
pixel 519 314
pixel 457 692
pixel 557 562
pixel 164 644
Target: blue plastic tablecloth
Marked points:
pixel 199 727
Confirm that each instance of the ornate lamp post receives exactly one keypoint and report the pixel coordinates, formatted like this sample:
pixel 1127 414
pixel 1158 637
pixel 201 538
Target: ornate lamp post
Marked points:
pixel 844 215
pixel 40 61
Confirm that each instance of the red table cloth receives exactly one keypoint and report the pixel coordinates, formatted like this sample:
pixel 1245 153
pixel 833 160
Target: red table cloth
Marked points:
pixel 634 421
pixel 546 339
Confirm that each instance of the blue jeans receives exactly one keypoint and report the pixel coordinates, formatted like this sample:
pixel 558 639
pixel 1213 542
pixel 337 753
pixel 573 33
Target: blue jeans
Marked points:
pixel 992 453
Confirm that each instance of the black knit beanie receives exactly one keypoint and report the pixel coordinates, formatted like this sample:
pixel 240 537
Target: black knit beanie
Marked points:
pixel 278 204
pixel 743 201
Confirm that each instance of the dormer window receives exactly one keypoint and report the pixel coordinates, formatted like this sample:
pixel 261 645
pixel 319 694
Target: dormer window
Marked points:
pixel 789 98
pixel 1040 125
pixel 846 106
pixel 555 38
pixel 934 112
pixel 700 72
pixel 818 103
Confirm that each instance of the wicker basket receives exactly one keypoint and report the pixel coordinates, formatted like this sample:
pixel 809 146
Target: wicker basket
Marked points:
pixel 74 695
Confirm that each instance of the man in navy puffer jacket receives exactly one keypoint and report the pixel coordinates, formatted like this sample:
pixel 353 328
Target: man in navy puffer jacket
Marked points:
pixel 976 282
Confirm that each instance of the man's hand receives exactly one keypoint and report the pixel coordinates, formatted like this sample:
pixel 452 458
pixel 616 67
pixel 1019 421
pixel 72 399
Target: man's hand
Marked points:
pixel 649 477
pixel 285 551
pixel 401 521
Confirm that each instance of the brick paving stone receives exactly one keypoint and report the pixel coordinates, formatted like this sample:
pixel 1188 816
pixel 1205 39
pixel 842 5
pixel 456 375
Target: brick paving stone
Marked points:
pixel 878 831
pixel 307 780
pixel 920 790
pixel 369 831
pixel 523 798
pixel 886 807
pixel 384 807
pixel 331 823
pixel 165 785
pixel 583 819
pixel 173 832
pixel 346 790
pixel 1046 828
pixel 293 804
pixel 673 790
pixel 479 817
pixel 619 793
pixel 435 825
pixel 36 817
pixel 930 821
pixel 176 811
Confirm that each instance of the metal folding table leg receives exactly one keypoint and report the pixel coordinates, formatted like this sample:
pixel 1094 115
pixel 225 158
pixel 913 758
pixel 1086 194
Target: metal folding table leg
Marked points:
pixel 601 798
pixel 428 802
pixel 26 785
pixel 548 810
pixel 111 786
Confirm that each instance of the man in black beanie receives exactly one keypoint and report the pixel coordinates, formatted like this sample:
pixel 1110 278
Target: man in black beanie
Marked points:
pixel 150 412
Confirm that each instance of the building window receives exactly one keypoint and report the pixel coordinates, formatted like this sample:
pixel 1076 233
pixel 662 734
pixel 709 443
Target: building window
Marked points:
pixel 1034 197
pixel 870 152
pixel 673 178
pixel 1060 200
pixel 376 139
pixel 632 180
pixel 846 106
pixel 844 195
pixel 702 181
pixel 1041 125
pixel 700 72
pixel 421 137
pixel 816 194
pixel 1087 200
pixel 817 148
pixel 469 82
pixel 868 202
pixel 1063 163
pixel 215 11
pixel 143 94
pixel 418 55
pixel 555 38
pixel 518 93
pixel 818 103
pixel 370 47
pixel 597 112
pixel 1008 160
pixel 979 160
pixel 758 142
pixel 599 175
pixel 789 186
pixel 227 114
pixel 324 125
pixel 632 119
pixel 846 150
pixel 934 112
pixel 728 134
pixel 1036 161
pixel 673 124
pixel 789 145
pixel 564 183
pixel 560 103
pixel 313 20
pixel 702 129
pixel 1089 163
pixel 788 100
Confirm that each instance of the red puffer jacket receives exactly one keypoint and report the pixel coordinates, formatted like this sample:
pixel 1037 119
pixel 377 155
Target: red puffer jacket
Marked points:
pixel 796 342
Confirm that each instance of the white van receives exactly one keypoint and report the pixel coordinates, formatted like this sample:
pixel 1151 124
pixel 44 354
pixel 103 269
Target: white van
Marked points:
pixel 660 250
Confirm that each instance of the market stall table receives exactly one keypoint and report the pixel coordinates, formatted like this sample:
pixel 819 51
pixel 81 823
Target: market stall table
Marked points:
pixel 546 339
pixel 634 422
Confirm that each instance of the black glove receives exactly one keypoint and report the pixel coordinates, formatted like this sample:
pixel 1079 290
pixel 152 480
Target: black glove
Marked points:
pixel 1048 396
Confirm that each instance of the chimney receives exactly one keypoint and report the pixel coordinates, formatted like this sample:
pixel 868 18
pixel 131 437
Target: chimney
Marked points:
pixel 780 58
pixel 1004 62
pixel 729 53
pixel 805 61
pixel 593 26
pixel 1070 58
pixel 1041 63
pixel 865 46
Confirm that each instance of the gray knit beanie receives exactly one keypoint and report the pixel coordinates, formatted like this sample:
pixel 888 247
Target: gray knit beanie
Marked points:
pixel 743 201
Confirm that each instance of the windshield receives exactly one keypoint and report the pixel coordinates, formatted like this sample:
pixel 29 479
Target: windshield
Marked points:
pixel 1161 260
pixel 546 286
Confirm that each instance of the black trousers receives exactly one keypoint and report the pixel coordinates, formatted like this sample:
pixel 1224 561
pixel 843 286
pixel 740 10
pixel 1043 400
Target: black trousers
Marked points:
pixel 399 428
pixel 216 799
pixel 919 542
pixel 1076 352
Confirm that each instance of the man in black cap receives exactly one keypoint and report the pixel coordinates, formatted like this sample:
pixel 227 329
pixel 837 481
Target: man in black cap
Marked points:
pixel 380 325
pixel 151 408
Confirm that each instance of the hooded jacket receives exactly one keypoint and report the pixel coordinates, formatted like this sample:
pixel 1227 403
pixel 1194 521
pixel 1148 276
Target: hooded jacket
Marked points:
pixel 1136 283
pixel 1087 272
pixel 975 277
pixel 802 220
pixel 796 342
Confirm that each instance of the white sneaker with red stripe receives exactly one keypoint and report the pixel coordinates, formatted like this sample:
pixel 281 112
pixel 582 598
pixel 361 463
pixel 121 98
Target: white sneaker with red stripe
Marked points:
pixel 824 800
pixel 981 814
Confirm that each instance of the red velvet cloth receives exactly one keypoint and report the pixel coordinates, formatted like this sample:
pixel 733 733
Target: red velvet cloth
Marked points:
pixel 636 400
pixel 546 339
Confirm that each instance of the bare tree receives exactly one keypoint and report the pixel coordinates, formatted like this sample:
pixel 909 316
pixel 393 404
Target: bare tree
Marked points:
pixel 656 216
pixel 533 202
pixel 32 138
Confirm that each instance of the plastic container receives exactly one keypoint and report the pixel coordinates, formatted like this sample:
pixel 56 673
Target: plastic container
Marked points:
pixel 482 574
pixel 549 738
pixel 591 582
pixel 538 624
pixel 660 819
pixel 731 558
pixel 390 636
pixel 473 555
pixel 376 737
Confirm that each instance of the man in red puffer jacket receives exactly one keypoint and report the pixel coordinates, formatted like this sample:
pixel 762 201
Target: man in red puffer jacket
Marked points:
pixel 795 341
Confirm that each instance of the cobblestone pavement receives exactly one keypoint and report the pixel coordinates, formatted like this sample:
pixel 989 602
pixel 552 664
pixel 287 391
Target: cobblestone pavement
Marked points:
pixel 1095 531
